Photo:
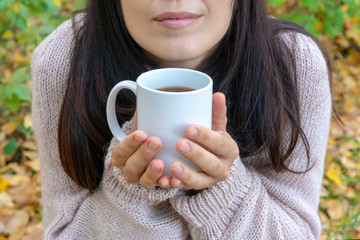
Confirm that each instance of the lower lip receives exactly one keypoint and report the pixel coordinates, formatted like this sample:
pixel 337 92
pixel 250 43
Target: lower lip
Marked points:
pixel 178 23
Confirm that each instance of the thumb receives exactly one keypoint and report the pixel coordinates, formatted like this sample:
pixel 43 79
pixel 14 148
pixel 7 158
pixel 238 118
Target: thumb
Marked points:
pixel 219 119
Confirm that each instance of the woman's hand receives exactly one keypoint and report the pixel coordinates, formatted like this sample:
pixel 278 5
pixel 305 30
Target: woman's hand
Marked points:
pixel 213 151
pixel 133 155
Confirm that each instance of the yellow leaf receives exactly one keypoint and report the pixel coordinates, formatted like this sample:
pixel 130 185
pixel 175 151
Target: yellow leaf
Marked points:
pixel 30 154
pixel 18 179
pixel 350 193
pixel 34 165
pixel 357 166
pixel 2 136
pixel 16 7
pixel 5 200
pixel 347 154
pixel 18 57
pixel 30 145
pixel 7 34
pixel 345 7
pixel 27 121
pixel 4 184
pixel 319 26
pixel 57 3
pixel 356 19
pixel 9 128
pixel 334 177
pixel 332 141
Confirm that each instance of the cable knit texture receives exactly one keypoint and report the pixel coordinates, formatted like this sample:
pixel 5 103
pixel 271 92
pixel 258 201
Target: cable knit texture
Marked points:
pixel 255 202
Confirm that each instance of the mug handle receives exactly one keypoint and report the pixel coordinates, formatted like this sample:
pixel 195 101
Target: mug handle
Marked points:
pixel 111 104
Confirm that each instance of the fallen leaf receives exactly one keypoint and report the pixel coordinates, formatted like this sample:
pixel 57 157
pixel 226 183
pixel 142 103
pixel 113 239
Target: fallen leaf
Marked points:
pixel 9 128
pixel 7 34
pixel 323 192
pixel 35 232
pixel 18 57
pixel 334 176
pixel 34 164
pixel 30 145
pixel 2 136
pixel 20 219
pixel 27 121
pixel 18 233
pixel 5 200
pixel 24 193
pixel 336 208
pixel 2 228
pixel 30 154
pixel 57 3
pixel 6 214
pixel 17 168
pixel 18 179
pixel 4 183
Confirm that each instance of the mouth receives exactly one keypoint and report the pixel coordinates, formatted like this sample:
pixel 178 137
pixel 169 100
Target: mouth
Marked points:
pixel 176 19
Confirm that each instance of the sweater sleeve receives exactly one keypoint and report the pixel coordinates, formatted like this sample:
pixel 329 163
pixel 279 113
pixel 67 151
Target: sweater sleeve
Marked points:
pixel 256 202
pixel 116 209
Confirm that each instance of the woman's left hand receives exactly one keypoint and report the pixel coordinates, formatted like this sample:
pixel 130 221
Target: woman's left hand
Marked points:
pixel 213 151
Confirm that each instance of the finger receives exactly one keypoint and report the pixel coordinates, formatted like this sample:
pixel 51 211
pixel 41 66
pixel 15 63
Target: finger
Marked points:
pixel 205 160
pixel 152 174
pixel 187 178
pixel 137 163
pixel 124 149
pixel 219 119
pixel 219 143
pixel 133 123
pixel 164 182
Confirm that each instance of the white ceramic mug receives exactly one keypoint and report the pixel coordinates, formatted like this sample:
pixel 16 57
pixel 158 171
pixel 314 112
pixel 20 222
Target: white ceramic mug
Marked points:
pixel 166 114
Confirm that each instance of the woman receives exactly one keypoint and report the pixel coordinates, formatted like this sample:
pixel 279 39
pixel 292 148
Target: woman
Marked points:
pixel 262 160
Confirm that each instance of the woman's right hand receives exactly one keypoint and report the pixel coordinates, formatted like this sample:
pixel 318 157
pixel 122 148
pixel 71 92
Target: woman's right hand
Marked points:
pixel 133 155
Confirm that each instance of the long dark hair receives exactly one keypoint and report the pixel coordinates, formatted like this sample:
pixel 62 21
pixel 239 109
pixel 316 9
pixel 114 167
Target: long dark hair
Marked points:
pixel 252 66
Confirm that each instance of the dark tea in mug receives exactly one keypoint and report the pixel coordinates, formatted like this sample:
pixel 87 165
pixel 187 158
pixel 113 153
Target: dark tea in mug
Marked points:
pixel 175 89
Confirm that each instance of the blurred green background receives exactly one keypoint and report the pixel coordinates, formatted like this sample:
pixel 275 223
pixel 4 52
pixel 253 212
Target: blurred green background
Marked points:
pixel 25 23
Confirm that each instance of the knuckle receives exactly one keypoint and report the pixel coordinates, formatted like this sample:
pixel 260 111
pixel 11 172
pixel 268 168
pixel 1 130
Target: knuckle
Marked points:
pixel 202 183
pixel 114 161
pixel 144 154
pixel 226 174
pixel 235 152
pixel 197 154
pixel 130 179
pixel 118 153
pixel 130 172
pixel 222 142
pixel 186 178
pixel 204 136
pixel 214 166
pixel 145 183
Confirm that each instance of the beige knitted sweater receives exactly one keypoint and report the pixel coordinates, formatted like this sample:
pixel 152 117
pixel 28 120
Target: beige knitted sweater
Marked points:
pixel 255 202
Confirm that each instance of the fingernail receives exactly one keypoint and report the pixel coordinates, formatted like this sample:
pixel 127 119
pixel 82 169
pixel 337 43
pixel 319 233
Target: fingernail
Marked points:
pixel 193 132
pixel 164 184
pixel 184 147
pixel 177 170
pixel 156 167
pixel 152 146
